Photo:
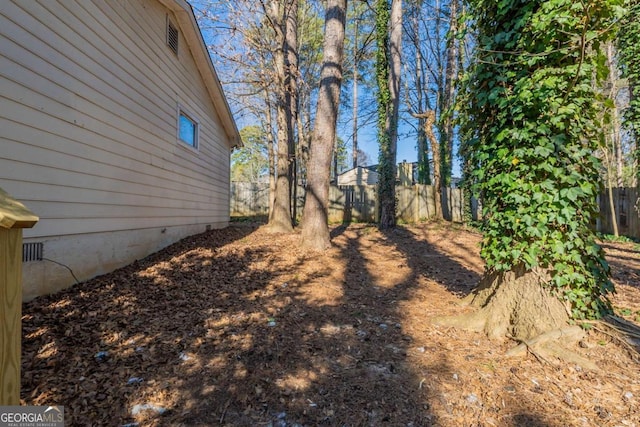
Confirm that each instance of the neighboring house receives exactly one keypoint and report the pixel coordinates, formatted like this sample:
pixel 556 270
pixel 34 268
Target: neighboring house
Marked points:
pixel 406 175
pixel 358 176
pixel 114 130
pixel 368 175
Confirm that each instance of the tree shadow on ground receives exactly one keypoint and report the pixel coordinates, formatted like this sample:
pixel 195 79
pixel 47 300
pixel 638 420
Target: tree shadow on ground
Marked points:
pixel 624 262
pixel 99 346
pixel 435 263
pixel 243 328
pixel 448 265
pixel 211 332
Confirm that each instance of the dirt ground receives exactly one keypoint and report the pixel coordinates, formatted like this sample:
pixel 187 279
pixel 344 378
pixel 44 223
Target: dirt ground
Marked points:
pixel 239 327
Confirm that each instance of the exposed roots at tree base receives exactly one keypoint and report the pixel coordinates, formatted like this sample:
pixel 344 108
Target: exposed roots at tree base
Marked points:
pixel 625 332
pixel 547 346
pixel 516 305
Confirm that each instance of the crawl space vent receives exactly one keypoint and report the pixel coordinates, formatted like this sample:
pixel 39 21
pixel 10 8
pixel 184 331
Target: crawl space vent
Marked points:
pixel 32 251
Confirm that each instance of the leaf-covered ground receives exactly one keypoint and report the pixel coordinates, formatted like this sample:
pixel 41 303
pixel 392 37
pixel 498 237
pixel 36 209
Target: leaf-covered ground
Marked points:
pixel 239 327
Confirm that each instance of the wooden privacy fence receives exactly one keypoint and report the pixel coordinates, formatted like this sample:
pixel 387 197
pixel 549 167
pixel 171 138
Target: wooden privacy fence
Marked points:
pixel 625 203
pixel 356 203
pixel 249 199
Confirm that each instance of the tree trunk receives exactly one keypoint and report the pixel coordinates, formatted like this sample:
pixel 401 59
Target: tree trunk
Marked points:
pixel 516 304
pixel 335 160
pixel 291 43
pixel 354 149
pixel 612 208
pixel 270 153
pixel 429 118
pixel 612 205
pixel 280 216
pixel 437 163
pixel 315 230
pixel 518 298
pixel 424 171
pixel 612 161
pixel 280 219
pixel 446 116
pixel 389 57
pixel 395 49
pixel 304 139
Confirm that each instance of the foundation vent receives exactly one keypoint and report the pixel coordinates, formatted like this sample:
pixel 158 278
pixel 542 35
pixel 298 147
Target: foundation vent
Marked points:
pixel 32 251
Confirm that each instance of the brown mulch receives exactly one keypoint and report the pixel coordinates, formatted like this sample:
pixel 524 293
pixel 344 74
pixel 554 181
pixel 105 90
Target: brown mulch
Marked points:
pixel 239 327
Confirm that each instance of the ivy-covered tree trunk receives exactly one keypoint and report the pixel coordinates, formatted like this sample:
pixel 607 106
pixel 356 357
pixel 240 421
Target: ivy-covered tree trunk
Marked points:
pixel 530 130
pixel 388 67
pixel 315 230
pixel 629 59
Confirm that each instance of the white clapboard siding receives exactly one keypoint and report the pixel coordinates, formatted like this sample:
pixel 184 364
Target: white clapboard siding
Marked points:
pixel 88 142
pixel 86 98
pixel 89 95
pixel 141 173
pixel 57 193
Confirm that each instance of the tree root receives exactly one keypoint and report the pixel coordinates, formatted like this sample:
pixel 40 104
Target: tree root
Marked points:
pixel 546 345
pixel 473 321
pixel 512 304
pixel 625 332
pixel 517 305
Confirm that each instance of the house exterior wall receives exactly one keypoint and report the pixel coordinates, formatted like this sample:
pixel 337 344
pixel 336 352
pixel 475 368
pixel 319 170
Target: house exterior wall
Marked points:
pixel 89 98
pixel 358 176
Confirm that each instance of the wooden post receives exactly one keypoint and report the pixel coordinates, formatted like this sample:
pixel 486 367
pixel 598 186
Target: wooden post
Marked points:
pixel 14 216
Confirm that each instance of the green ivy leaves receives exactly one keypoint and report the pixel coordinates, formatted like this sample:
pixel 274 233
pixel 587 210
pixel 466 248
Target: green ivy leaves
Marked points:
pixel 628 43
pixel 529 123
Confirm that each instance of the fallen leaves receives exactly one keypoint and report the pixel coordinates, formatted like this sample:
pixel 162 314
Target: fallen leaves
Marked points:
pixel 240 327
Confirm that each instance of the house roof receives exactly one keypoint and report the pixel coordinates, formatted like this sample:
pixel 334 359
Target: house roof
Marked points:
pixel 367 168
pixel 191 31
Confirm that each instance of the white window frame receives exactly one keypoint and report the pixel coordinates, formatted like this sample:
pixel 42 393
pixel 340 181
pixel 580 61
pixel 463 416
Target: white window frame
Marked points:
pixel 181 111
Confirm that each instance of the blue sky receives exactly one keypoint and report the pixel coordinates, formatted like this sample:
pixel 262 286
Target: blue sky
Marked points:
pixel 367 134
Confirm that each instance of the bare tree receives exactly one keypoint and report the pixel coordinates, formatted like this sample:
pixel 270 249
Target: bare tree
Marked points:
pixel 433 41
pixel 291 86
pixel 360 40
pixel 428 120
pixel 448 94
pixel 354 149
pixel 256 45
pixel 315 230
pixel 415 38
pixel 278 13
